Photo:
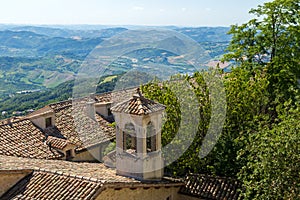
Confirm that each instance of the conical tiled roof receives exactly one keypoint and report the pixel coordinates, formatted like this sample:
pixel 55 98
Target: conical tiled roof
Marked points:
pixel 138 105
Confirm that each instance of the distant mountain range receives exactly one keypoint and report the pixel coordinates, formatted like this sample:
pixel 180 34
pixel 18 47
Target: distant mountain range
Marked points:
pixel 40 57
pixel 200 34
pixel 70 33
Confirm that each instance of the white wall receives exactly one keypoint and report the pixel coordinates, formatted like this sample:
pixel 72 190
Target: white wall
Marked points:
pixel 160 193
pixel 9 178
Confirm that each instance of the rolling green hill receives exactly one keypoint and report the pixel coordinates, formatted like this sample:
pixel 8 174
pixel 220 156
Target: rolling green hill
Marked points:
pixel 33 61
pixel 30 44
pixel 39 58
pixel 21 104
pixel 206 34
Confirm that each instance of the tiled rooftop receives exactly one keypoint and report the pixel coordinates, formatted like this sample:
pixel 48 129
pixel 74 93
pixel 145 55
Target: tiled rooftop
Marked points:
pixel 58 179
pixel 82 169
pixel 78 128
pixel 73 124
pixel 21 138
pixel 115 96
pixel 49 185
pixel 57 143
pixel 138 105
pixel 96 171
pixel 210 187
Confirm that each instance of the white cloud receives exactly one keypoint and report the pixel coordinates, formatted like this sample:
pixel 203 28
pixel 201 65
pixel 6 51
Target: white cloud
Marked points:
pixel 138 8
pixel 162 10
pixel 183 9
pixel 208 9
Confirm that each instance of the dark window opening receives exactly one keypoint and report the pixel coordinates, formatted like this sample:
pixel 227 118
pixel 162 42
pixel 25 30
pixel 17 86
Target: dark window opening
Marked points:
pixel 109 113
pixel 129 138
pixel 48 122
pixel 151 138
pixel 69 155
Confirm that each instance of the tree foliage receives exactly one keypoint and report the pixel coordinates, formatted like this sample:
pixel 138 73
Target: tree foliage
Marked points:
pixel 273 162
pixel 260 139
pixel 267 48
pixel 271 41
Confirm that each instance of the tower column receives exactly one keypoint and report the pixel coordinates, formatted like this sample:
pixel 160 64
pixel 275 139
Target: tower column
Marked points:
pixel 139 154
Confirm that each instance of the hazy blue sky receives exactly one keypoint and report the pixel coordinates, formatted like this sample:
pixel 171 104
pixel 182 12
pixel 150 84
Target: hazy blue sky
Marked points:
pixel 128 12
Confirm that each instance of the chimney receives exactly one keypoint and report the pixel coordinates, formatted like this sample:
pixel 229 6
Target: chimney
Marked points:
pixel 9 122
pixel 90 109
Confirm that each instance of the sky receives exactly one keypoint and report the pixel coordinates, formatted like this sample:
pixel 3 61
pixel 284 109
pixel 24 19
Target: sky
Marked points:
pixel 128 12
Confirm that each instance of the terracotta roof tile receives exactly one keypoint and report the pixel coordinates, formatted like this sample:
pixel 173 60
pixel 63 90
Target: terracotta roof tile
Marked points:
pixel 138 105
pixel 50 185
pixel 116 96
pixel 59 179
pixel 21 138
pixel 57 143
pixel 210 187
pixel 82 169
pixel 70 128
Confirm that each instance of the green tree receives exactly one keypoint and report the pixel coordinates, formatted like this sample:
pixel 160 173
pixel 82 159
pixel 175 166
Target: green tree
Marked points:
pixel 273 162
pixel 179 98
pixel 163 94
pixel 266 141
pixel 246 100
pixel 246 105
pixel 271 40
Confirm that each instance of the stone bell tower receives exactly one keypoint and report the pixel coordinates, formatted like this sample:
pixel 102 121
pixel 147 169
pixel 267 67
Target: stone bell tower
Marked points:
pixel 138 138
